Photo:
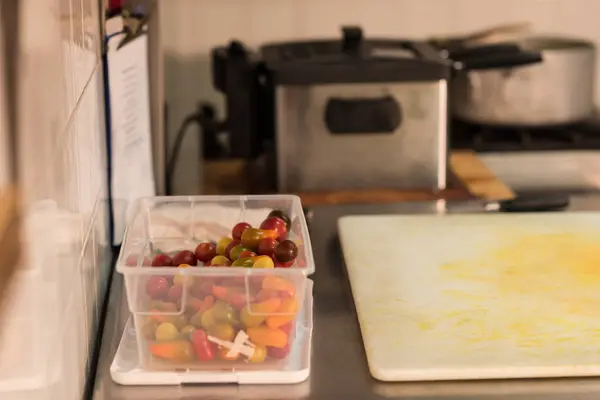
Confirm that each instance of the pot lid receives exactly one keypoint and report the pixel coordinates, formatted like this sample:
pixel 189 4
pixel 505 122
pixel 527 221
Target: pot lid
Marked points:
pixel 353 59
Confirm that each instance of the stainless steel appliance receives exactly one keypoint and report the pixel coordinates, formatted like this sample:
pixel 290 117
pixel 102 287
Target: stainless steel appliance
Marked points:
pixel 340 114
pixel 358 136
pixel 346 114
pixel 558 91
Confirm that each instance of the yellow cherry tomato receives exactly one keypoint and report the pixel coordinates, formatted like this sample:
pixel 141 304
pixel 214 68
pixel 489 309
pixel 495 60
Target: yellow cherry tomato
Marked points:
pixel 260 354
pixel 166 331
pixel 222 331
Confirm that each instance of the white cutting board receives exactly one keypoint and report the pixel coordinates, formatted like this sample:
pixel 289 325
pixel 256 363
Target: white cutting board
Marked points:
pixel 476 296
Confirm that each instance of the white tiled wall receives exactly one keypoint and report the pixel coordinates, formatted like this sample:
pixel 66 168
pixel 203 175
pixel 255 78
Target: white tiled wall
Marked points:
pixel 63 178
pixel 192 27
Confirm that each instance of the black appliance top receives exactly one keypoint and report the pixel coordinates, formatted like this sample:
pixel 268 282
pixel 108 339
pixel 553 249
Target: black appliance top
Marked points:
pixel 353 59
pixel 580 136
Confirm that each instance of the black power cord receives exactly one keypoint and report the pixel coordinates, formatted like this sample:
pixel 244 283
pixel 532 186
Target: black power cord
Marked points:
pixel 210 127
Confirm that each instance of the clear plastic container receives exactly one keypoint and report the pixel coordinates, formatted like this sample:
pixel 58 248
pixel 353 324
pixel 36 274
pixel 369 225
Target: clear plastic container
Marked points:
pixel 215 318
pixel 126 368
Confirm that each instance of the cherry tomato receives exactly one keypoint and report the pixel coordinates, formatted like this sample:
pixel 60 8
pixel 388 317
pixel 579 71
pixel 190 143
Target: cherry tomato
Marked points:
pixel 286 251
pixel 176 351
pixel 166 331
pixel 224 313
pixel 275 224
pixel 184 257
pixel 236 252
pixel 220 261
pixel 222 331
pixel 243 262
pixel 260 354
pixel 239 229
pixel 266 336
pixel 222 246
pixel 201 345
pixel 206 251
pixel 283 216
pixel 267 246
pixel 279 264
pixel 187 331
pixel 247 253
pixel 279 353
pixel 263 262
pixel 175 293
pixel 230 246
pixel 157 287
pixel 132 261
pixel 252 237
pixel 162 260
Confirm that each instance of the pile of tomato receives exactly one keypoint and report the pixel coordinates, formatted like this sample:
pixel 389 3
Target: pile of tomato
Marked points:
pixel 198 319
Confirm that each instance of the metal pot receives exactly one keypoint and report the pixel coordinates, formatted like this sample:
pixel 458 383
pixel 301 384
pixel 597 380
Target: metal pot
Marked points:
pixel 558 91
pixel 495 34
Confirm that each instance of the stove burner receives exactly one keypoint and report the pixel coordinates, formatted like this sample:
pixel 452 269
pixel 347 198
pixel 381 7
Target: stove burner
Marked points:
pixel 583 136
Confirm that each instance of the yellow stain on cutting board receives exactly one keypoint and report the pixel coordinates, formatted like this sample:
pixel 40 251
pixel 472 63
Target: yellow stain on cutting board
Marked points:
pixel 535 290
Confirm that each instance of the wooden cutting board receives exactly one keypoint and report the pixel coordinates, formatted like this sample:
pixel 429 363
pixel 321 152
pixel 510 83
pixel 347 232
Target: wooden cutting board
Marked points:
pixel 476 296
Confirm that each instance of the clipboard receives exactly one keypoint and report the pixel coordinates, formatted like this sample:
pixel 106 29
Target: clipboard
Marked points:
pixel 130 164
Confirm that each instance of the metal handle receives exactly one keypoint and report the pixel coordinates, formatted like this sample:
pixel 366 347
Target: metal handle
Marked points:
pixel 362 115
pixel 352 38
pixel 466 52
pixel 503 60
pixel 534 204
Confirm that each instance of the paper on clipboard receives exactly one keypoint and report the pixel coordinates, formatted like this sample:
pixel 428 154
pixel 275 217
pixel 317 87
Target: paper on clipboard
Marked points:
pixel 129 126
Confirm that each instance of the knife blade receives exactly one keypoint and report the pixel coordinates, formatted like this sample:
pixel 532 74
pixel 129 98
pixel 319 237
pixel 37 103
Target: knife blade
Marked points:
pixel 523 203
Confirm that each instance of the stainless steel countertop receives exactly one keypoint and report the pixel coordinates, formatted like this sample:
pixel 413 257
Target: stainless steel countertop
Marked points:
pixel 339 367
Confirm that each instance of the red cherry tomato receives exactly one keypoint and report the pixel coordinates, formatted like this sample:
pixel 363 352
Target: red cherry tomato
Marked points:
pixel 279 353
pixel 275 224
pixel 247 253
pixel 162 260
pixel 238 230
pixel 279 264
pixel 184 257
pixel 175 293
pixel 267 246
pixel 205 252
pixel 202 347
pixel 157 287
pixel 132 261
pixel 286 251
